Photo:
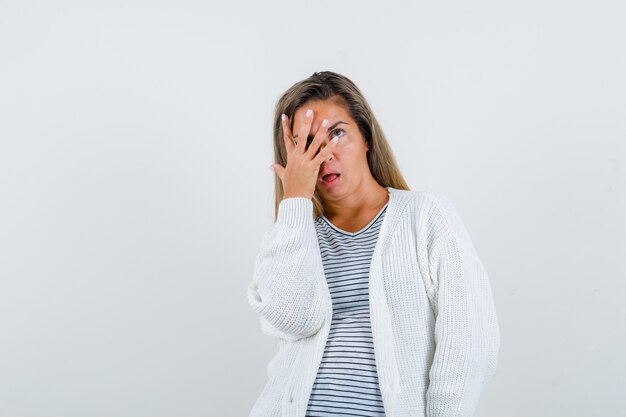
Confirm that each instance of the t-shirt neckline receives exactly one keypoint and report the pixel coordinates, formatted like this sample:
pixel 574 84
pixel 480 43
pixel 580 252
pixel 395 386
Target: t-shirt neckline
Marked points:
pixel 364 228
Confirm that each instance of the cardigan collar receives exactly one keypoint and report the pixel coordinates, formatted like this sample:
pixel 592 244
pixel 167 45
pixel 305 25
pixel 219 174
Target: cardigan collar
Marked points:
pixel 398 201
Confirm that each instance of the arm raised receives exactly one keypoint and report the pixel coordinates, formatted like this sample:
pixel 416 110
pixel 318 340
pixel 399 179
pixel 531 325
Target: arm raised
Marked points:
pixel 286 287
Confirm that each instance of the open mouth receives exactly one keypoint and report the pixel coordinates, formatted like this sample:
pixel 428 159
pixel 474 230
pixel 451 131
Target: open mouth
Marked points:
pixel 330 178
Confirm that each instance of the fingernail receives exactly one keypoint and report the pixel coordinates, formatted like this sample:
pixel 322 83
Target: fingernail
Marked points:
pixel 336 139
pixel 309 112
pixel 283 116
pixel 325 123
pixel 272 167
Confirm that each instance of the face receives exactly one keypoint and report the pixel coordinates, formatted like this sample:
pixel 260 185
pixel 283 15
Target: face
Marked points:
pixel 349 158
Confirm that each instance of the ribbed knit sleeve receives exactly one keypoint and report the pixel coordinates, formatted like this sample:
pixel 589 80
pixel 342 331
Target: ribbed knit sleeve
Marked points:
pixel 286 287
pixel 467 336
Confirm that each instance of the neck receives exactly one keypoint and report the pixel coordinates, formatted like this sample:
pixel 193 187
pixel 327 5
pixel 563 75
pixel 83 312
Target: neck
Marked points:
pixel 367 197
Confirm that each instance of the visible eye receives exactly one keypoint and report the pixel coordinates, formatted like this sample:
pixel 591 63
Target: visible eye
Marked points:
pixel 337 130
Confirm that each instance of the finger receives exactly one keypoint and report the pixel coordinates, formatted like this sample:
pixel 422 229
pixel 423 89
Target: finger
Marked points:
pixel 319 139
pixel 278 170
pixel 303 133
pixel 325 153
pixel 287 136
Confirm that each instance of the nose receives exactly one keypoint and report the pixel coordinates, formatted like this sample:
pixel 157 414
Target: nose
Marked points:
pixel 328 159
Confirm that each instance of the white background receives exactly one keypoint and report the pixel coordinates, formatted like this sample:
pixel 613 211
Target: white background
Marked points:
pixel 134 188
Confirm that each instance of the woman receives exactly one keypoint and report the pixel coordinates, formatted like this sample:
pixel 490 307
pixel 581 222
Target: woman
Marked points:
pixel 375 293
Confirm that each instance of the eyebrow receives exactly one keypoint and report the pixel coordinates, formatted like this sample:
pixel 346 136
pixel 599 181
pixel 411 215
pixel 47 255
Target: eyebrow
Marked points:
pixel 331 127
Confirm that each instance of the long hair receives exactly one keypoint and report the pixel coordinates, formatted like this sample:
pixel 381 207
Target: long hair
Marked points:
pixel 328 85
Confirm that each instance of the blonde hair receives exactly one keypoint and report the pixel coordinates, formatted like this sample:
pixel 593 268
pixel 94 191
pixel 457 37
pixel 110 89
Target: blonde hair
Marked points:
pixel 328 85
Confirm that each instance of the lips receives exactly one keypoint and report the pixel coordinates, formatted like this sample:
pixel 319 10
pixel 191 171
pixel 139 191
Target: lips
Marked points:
pixel 329 177
pixel 327 172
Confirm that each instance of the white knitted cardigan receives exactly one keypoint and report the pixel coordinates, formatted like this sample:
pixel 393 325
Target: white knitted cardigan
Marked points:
pixel 434 324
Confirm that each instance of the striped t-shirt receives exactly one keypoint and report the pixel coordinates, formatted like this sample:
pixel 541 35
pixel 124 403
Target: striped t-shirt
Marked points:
pixel 347 380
